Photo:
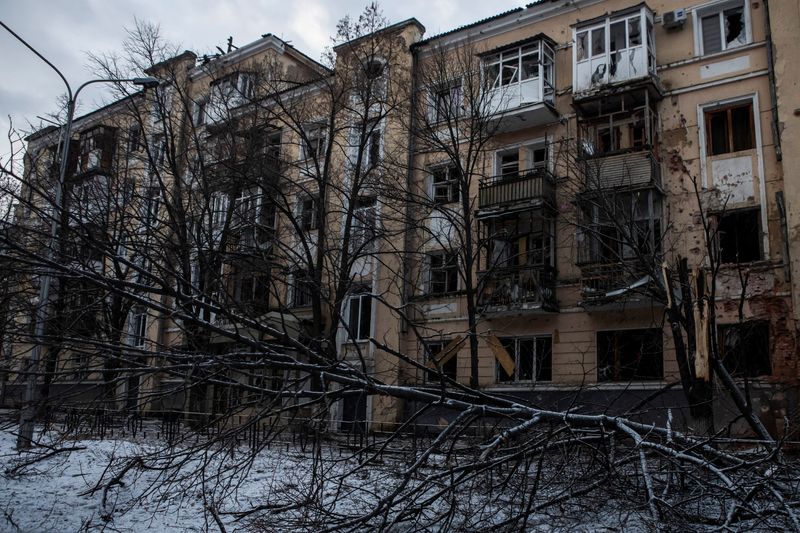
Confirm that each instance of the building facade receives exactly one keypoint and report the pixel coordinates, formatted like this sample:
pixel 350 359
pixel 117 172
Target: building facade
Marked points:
pixel 501 206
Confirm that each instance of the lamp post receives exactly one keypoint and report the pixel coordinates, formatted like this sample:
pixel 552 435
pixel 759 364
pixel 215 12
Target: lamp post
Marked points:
pixel 25 435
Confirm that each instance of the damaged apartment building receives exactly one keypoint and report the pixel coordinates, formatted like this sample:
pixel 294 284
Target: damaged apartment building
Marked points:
pixel 556 162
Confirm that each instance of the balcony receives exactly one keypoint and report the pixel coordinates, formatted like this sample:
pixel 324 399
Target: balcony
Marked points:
pixel 520 288
pixel 96 150
pixel 519 80
pixel 526 189
pixel 614 286
pixel 614 52
pixel 626 169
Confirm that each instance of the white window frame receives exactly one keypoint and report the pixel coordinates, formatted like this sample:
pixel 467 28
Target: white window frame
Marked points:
pixel 704 10
pixel 138 328
pixel 358 335
pixel 535 370
pixel 452 183
pixel 453 88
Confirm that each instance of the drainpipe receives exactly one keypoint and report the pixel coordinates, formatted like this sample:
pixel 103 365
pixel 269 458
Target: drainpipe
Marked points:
pixel 776 132
pixel 409 182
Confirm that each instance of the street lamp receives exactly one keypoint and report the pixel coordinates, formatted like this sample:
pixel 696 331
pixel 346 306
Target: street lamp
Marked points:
pixel 25 435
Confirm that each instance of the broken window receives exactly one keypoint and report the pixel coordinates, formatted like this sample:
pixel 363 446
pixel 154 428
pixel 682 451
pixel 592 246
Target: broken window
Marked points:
pixel 314 145
pixel 730 129
pixel 445 353
pixel 512 66
pixel 447 102
pixel 626 355
pixel 445 185
pixel 531 358
pixel 744 348
pixel 722 27
pixel 509 164
pixel 442 272
pixel 739 236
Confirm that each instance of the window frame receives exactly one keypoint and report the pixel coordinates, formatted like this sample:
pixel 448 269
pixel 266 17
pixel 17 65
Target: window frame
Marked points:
pixel 449 268
pixel 718 8
pixel 138 328
pixel 358 297
pixel 709 112
pixel 307 213
pixel 450 182
pixel 363 228
pixel 315 142
pixel 535 358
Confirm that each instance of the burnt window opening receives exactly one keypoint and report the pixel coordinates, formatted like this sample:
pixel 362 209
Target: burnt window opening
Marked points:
pixel 744 348
pixel 532 357
pixel 730 129
pixel 739 236
pixel 442 272
pixel 446 353
pixel 723 29
pixel 627 355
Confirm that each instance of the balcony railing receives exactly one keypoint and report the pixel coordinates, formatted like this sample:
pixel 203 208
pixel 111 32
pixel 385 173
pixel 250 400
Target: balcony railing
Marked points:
pixel 519 288
pixel 622 169
pixel 527 186
pixel 612 282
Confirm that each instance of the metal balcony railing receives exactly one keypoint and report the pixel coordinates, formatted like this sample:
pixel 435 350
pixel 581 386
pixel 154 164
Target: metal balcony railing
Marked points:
pixel 521 287
pixel 527 185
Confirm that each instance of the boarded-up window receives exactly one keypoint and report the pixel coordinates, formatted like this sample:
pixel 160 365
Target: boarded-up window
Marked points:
pixel 626 355
pixel 744 348
pixel 445 353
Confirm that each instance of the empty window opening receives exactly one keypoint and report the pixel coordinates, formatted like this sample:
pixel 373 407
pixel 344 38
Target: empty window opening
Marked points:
pixel 739 236
pixel 627 355
pixel 744 348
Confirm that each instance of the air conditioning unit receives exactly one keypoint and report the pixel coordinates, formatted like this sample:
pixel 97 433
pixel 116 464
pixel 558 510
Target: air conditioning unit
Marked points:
pixel 674 19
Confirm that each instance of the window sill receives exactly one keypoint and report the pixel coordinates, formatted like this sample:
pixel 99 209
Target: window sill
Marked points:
pixel 715 55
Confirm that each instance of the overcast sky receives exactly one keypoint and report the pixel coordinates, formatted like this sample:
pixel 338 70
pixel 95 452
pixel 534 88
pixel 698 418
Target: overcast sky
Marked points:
pixel 64 31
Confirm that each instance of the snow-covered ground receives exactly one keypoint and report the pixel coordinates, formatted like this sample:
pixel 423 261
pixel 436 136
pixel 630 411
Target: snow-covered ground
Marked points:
pixel 56 493
pixel 66 491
